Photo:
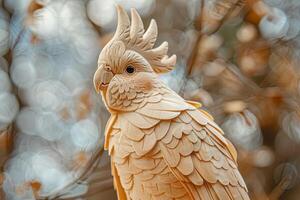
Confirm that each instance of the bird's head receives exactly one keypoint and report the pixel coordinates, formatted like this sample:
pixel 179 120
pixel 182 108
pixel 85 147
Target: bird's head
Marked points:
pixel 128 64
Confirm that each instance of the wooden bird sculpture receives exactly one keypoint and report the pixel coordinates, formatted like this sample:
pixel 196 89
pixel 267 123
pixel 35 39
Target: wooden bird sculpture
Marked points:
pixel 161 146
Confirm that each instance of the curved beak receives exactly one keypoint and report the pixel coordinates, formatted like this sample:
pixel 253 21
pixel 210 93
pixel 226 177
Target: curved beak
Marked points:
pixel 102 77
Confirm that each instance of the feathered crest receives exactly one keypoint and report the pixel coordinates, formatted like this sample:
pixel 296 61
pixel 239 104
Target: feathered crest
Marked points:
pixel 134 37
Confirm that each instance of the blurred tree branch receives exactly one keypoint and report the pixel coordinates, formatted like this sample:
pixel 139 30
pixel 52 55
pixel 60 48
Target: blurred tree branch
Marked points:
pixel 199 26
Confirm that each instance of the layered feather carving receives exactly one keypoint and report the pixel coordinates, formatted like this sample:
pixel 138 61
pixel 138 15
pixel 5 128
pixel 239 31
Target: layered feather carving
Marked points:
pixel 129 95
pixel 180 146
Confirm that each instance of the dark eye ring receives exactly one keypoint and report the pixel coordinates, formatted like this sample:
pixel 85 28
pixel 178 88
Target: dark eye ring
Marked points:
pixel 130 69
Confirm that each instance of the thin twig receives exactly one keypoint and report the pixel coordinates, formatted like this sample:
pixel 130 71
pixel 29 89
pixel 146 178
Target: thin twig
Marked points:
pixel 248 82
pixel 192 59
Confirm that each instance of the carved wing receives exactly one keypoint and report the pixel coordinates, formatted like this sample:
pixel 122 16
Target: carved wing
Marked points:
pixel 193 147
pixel 196 151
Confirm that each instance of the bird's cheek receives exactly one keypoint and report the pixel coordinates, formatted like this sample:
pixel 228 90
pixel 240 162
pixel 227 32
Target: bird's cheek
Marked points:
pixel 143 83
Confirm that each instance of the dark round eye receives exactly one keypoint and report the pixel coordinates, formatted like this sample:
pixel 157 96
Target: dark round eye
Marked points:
pixel 130 69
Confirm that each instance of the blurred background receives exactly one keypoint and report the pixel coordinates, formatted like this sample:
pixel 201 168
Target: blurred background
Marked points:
pixel 239 58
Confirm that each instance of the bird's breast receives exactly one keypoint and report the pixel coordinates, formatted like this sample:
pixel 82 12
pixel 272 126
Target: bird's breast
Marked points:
pixel 143 175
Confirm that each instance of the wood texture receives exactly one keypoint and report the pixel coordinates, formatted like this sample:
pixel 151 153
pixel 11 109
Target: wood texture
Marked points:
pixel 161 146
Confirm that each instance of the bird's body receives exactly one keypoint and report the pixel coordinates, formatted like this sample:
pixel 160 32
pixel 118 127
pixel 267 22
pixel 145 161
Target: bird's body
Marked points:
pixel 168 149
pixel 161 146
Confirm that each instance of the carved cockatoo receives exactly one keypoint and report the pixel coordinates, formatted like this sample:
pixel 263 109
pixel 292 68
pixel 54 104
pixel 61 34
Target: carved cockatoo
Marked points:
pixel 161 146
